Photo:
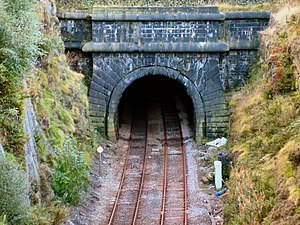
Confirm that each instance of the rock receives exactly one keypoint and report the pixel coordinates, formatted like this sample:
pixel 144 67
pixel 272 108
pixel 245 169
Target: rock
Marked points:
pixel 211 151
pixel 294 156
pixel 210 176
pixel 2 152
pixel 205 180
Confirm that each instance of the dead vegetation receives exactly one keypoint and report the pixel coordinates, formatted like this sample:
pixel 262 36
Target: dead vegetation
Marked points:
pixel 264 185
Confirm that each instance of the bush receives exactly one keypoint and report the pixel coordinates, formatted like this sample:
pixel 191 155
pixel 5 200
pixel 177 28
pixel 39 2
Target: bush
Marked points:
pixel 19 38
pixel 71 173
pixel 54 214
pixel 14 189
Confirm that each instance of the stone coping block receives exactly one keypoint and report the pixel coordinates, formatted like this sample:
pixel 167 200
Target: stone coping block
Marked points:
pixel 247 15
pixel 74 15
pixel 171 47
pixel 156 47
pixel 244 45
pixel 155 9
pixel 158 17
pixel 73 45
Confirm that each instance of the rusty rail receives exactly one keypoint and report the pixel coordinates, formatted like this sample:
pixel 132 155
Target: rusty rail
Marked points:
pixel 112 215
pixel 142 179
pixel 116 216
pixel 184 174
pixel 174 203
pixel 165 179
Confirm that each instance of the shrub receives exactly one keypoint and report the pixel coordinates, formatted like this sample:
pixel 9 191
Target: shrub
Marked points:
pixel 54 214
pixel 19 38
pixel 14 189
pixel 71 172
pixel 250 198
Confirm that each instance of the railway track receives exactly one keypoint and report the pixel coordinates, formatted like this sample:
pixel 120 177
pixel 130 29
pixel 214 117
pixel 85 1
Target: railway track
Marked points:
pixel 153 187
pixel 127 200
pixel 174 202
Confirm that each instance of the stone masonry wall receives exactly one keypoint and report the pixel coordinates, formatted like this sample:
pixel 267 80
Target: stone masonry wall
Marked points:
pixel 235 68
pixel 199 73
pixel 158 31
pixel 120 30
pixel 76 31
pixel 206 51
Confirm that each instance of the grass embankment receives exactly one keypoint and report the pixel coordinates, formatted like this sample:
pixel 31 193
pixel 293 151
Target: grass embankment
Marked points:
pixel 224 5
pixel 60 100
pixel 264 187
pixel 32 52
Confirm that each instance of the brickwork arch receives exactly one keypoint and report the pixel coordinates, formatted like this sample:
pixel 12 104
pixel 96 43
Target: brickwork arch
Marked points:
pixel 122 85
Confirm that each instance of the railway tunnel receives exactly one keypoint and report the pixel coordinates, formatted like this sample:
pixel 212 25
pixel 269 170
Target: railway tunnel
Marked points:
pixel 208 52
pixel 155 115
pixel 155 71
pixel 147 94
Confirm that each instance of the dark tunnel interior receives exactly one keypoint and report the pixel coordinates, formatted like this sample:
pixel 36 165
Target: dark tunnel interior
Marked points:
pixel 155 87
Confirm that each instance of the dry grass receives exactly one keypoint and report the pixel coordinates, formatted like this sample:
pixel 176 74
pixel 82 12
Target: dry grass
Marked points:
pixel 251 198
pixel 264 131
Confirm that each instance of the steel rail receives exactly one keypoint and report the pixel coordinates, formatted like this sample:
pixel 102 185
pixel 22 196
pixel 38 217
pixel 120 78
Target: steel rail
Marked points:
pixel 183 151
pixel 143 176
pixel 112 215
pixel 165 179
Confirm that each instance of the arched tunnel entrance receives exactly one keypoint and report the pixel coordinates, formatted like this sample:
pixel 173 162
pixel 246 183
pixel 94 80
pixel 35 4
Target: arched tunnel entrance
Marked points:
pixel 148 94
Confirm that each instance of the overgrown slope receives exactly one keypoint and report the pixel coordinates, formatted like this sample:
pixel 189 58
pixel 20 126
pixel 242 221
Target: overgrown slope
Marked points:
pixel 224 5
pixel 264 187
pixel 33 65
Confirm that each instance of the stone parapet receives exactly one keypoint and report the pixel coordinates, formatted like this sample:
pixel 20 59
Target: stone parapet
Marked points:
pixel 141 25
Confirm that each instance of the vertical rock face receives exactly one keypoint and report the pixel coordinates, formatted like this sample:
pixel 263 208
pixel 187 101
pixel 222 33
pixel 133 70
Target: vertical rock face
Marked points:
pixel 34 133
pixel 30 126
pixel 2 152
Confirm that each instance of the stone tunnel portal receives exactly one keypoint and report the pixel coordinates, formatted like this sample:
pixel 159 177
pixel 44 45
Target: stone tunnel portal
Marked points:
pixel 150 93
pixel 203 50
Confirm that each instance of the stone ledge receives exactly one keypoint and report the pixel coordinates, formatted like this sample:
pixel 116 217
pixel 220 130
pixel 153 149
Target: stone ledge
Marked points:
pixel 72 45
pixel 75 15
pixel 158 17
pixel 244 45
pixel 156 47
pixel 209 13
pixel 165 47
pixel 155 9
pixel 247 15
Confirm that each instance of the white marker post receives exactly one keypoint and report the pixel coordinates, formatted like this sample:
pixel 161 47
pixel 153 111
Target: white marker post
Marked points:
pixel 218 174
pixel 99 150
